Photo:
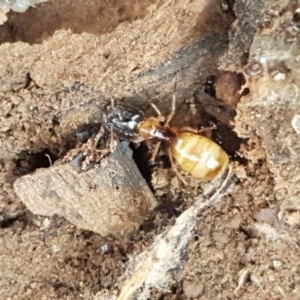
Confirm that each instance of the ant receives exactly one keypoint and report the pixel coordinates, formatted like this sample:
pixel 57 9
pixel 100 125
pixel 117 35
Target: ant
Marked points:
pixel 194 153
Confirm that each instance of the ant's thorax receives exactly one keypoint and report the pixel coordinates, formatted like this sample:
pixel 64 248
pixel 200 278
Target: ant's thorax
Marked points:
pixel 152 129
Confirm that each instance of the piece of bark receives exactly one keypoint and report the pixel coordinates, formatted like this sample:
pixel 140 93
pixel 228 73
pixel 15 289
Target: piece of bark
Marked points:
pixel 111 198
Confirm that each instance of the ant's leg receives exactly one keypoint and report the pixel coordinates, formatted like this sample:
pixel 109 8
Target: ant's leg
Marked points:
pixel 174 167
pixel 155 152
pixel 194 130
pixel 206 129
pixel 173 108
pixel 160 117
pixel 189 129
pixel 156 109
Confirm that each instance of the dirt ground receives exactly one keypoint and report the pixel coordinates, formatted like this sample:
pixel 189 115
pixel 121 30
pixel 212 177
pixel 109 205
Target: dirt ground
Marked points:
pixel 60 64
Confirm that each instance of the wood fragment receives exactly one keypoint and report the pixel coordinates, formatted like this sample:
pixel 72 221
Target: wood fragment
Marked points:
pixel 111 198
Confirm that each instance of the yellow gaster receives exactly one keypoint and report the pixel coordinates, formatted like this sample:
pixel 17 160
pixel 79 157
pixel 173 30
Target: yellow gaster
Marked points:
pixel 198 155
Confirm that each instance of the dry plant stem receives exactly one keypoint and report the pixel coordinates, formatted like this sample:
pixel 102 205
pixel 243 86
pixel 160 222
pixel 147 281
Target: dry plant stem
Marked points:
pixel 155 267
